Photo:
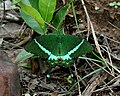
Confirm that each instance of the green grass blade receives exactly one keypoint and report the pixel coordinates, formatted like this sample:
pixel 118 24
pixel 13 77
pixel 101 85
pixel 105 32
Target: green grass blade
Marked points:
pixel 73 9
pixel 35 4
pixel 90 59
pixel 97 56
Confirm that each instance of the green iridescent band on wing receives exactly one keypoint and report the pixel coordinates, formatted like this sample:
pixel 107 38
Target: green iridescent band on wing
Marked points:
pixel 53 57
pixel 42 48
pixel 65 57
pixel 72 51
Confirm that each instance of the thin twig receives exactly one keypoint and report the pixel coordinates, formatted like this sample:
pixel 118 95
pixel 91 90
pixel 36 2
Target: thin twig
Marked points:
pixel 26 39
pixel 107 44
pixel 95 81
pixel 110 60
pixel 115 78
pixel 88 24
pixel 113 40
pixel 106 85
pixel 110 64
pixel 21 28
pixel 103 69
pixel 51 26
pixel 77 79
pixel 114 25
pixel 114 56
pixel 92 28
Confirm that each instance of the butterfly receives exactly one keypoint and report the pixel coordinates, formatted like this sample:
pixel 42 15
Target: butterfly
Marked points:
pixel 59 49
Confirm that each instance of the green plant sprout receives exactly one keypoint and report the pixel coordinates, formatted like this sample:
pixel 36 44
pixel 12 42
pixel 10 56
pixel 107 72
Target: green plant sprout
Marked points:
pixel 69 78
pixel 114 4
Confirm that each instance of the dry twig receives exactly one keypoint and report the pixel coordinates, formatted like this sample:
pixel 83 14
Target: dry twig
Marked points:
pixel 77 79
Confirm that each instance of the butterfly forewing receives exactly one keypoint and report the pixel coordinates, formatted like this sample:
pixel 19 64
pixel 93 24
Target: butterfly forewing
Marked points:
pixel 83 49
pixel 70 42
pixel 49 42
pixel 32 47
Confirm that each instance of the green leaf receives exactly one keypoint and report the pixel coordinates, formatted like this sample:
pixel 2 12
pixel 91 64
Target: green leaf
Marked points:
pixel 32 23
pixel 23 55
pixel 47 8
pixel 29 10
pixel 35 4
pixel 118 4
pixel 111 4
pixel 60 15
pixel 115 2
pixel 27 2
pixel 69 78
pixel 25 65
pixel 16 1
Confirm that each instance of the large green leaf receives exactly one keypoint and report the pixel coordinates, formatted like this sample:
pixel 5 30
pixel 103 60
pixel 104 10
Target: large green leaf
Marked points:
pixel 29 10
pixel 32 23
pixel 58 45
pixel 35 4
pixel 47 8
pixel 60 15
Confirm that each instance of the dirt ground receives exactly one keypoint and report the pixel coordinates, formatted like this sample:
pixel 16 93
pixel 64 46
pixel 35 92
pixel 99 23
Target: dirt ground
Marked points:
pixel 14 34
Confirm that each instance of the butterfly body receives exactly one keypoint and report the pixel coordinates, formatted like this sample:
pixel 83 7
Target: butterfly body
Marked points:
pixel 59 49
